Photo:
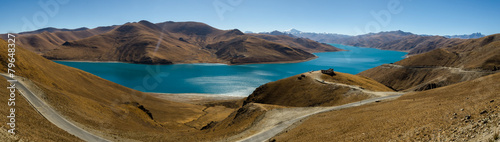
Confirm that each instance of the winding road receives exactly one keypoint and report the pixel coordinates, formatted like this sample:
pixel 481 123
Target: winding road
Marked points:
pixel 282 125
pixel 271 132
pixel 53 116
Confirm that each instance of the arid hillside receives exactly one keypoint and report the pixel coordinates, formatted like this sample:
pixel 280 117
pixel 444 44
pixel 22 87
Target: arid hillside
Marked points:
pixel 467 111
pixel 444 66
pixel 393 40
pixel 102 107
pixel 310 89
pixel 301 43
pixel 47 39
pixel 167 43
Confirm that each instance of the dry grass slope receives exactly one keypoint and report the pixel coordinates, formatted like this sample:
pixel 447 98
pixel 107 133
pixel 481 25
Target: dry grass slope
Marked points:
pixel 471 59
pixel 467 111
pixel 103 107
pixel 307 91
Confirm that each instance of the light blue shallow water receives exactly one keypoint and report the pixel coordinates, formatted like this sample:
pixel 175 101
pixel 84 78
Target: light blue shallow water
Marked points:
pixel 238 80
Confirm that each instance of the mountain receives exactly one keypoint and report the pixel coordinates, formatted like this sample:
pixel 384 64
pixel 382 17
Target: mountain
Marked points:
pixel 275 32
pixel 304 90
pixel 52 29
pixel 166 43
pixel 471 59
pixel 465 36
pixel 299 43
pixel 393 40
pixel 48 39
pixel 467 111
pixel 292 31
pixel 101 107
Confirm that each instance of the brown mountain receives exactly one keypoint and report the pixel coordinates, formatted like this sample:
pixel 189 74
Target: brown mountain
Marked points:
pixel 471 59
pixel 301 43
pixel 102 107
pixel 393 40
pixel 305 90
pixel 167 43
pixel 466 111
pixel 47 39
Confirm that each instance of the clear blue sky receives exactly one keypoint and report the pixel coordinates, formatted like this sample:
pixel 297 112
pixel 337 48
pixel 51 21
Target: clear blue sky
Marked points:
pixel 436 17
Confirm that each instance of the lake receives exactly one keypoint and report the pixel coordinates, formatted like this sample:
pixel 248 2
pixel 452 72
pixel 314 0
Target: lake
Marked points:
pixel 235 80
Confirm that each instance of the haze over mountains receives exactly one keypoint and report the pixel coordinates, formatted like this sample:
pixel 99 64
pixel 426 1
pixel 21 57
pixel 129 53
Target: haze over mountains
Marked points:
pixel 167 43
pixel 392 40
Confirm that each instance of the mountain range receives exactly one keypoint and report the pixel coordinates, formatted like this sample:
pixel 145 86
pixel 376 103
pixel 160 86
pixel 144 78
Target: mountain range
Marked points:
pixel 392 40
pixel 446 91
pixel 469 60
pixel 167 43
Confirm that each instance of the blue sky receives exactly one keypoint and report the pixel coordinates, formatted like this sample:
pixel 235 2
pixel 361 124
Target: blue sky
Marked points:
pixel 435 17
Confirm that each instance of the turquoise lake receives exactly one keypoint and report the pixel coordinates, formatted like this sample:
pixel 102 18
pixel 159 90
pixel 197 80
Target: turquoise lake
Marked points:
pixel 235 80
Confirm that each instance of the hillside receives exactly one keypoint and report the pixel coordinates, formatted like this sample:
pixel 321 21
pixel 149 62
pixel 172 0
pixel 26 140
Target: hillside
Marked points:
pixel 393 40
pixel 471 59
pixel 310 91
pixel 467 111
pixel 47 39
pixel 167 43
pixel 300 43
pixel 105 108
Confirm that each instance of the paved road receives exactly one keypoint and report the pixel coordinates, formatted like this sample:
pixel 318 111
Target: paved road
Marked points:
pixel 54 117
pixel 264 135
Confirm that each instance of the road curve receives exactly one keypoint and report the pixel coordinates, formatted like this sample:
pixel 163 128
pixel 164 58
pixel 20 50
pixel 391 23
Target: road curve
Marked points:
pixel 53 116
pixel 271 132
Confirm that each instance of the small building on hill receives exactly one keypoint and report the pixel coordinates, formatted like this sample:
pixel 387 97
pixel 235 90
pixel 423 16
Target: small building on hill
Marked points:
pixel 329 72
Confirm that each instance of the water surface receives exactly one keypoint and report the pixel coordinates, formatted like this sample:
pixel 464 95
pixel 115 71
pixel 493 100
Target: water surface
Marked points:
pixel 238 80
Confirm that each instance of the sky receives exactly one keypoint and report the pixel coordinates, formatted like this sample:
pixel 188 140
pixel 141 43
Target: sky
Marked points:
pixel 351 17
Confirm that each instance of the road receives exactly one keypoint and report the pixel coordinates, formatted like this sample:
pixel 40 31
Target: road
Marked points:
pixel 53 116
pixel 316 76
pixel 271 132
pixel 380 94
pixel 280 123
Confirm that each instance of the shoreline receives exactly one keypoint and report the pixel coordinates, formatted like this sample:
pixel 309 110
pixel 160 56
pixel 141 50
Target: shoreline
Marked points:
pixel 217 63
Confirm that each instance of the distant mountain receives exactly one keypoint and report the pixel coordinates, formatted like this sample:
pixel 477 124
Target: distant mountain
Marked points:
pixel 392 40
pixel 465 36
pixel 275 32
pixel 292 31
pixel 52 29
pixel 167 43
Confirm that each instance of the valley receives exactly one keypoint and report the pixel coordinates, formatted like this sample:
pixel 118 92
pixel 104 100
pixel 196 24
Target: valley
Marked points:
pixel 183 71
pixel 300 105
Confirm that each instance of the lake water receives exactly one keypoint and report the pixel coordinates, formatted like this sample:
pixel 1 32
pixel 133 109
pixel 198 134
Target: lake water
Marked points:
pixel 236 80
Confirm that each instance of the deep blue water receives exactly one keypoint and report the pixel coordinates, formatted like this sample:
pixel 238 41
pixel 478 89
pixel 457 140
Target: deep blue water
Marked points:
pixel 235 79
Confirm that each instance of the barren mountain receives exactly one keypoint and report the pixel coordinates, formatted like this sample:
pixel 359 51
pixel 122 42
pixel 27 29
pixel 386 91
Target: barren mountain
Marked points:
pixel 393 40
pixel 301 43
pixel 307 89
pixel 467 111
pixel 102 107
pixel 440 67
pixel 167 43
pixel 47 39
